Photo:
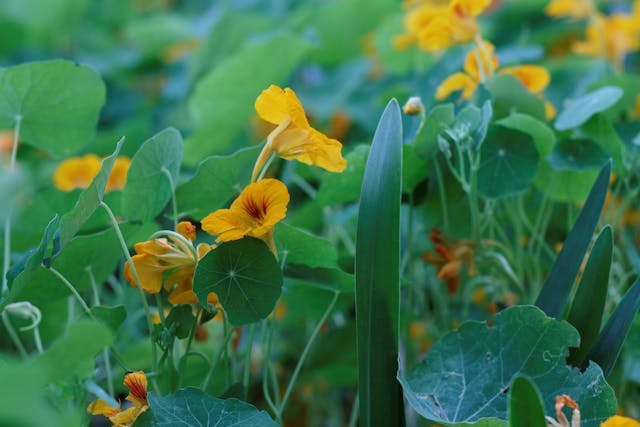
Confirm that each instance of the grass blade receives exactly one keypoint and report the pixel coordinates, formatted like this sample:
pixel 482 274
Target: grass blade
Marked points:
pixel 525 405
pixel 377 276
pixel 588 304
pixel 555 291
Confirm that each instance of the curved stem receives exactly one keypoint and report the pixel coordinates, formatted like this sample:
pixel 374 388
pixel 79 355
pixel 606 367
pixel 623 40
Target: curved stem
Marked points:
pixel 6 261
pixel 174 204
pixel 105 352
pixel 261 163
pixel 13 335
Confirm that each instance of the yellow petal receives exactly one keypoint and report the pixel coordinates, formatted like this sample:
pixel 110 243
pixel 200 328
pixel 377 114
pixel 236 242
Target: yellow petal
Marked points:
pixel 128 416
pixel 275 105
pixel 137 384
pixel 468 7
pixel 150 272
pixel 488 59
pixel 455 82
pixel 570 8
pixel 533 77
pixel 311 147
pixel 100 407
pixel 76 172
pixel 187 230
pixel 228 225
pixel 618 421
pixel 549 110
pixel 118 176
pixel 438 35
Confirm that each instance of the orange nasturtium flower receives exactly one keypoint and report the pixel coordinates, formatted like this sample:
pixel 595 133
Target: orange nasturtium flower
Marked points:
pixel 562 420
pixel 169 262
pixel 137 384
pixel 254 213
pixel 294 138
pixel 78 172
pixel 570 8
pixel 448 258
pixel 618 421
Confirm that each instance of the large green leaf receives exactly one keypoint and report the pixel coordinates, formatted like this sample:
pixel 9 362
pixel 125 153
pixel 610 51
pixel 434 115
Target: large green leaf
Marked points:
pixel 579 110
pixel 556 288
pixel 296 246
pixel 542 135
pixel 577 155
pixel 245 276
pixel 465 376
pixel 606 349
pixel 509 95
pixel 588 304
pixel 508 162
pixel 193 408
pixel 88 201
pixel 217 180
pixel 112 317
pixel 222 102
pixel 345 186
pixel 378 275
pixel 564 185
pixel 525 404
pixel 58 103
pixel 148 187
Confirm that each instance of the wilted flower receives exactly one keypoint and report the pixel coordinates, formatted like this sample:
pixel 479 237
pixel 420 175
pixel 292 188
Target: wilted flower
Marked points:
pixel 562 420
pixel 448 258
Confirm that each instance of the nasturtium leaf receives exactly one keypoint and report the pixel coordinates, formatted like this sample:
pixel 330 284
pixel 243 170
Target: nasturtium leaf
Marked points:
pixel 86 338
pixel 465 376
pixel 345 186
pixel 110 316
pixel 191 407
pixel 222 102
pixel 525 404
pixel 217 180
pixel 579 110
pixel 576 155
pixel 88 201
pixel 508 162
pixel 509 95
pixel 564 185
pixel 57 103
pixel 600 129
pixel 438 119
pixel 181 320
pixel 331 279
pixel 149 187
pixel 245 276
pixel 542 135
pixel 296 246
pixel 414 168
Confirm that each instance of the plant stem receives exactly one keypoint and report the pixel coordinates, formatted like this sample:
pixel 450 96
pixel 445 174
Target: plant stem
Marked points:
pixel 75 293
pixel 105 352
pixel 14 336
pixel 183 359
pixel 247 360
pixel 6 261
pixel 443 196
pixel 353 418
pixel 174 204
pixel 213 363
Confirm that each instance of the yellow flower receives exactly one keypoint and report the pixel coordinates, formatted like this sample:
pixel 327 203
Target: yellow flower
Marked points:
pixel 533 77
pixel 294 138
pixel 254 213
pixel 611 38
pixel 570 8
pixel 170 263
pixel 618 421
pixel 78 172
pixel 137 384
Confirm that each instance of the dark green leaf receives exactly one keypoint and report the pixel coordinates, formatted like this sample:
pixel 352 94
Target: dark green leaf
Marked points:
pixel 564 185
pixel 331 279
pixel 509 95
pixel 181 320
pixel 345 186
pixel 577 155
pixel 438 119
pixel 296 246
pixel 378 275
pixel 58 103
pixel 600 129
pixel 542 135
pixel 414 168
pixel 525 404
pixel 148 187
pixel 556 288
pixel 579 110
pixel 245 276
pixel 110 316
pixel 465 376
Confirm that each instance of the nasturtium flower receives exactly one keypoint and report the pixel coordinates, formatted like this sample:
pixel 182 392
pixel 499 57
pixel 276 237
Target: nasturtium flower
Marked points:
pixel 570 8
pixel 619 421
pixel 294 138
pixel 254 213
pixel 137 384
pixel 169 262
pixel 78 172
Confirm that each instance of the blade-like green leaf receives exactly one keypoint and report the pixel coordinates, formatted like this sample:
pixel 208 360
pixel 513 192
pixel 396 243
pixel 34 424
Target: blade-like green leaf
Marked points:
pixel 148 187
pixel 378 277
pixel 588 304
pixel 465 376
pixel 245 276
pixel 607 347
pixel 556 289
pixel 193 408
pixel 579 110
pixel 525 405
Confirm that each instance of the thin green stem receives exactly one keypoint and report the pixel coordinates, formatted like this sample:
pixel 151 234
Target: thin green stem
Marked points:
pixel 174 204
pixel 247 360
pixel 160 307
pixel 105 352
pixel 73 291
pixel 13 335
pixel 355 410
pixel 305 352
pixel 443 196
pixel 215 360
pixel 6 261
pixel 183 359
pixel 473 198
pixel 266 346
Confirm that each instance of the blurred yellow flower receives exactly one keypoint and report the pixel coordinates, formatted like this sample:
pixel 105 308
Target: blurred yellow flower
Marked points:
pixel 254 213
pixel 611 38
pixel 294 138
pixel 78 172
pixel 170 263
pixel 570 8
pixel 137 384
pixel 618 421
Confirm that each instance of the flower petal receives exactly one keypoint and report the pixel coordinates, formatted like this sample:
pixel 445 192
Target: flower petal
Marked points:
pixel 76 172
pixel 276 105
pixel 100 407
pixel 118 176
pixel 455 82
pixel 149 270
pixel 533 77
pixel 228 225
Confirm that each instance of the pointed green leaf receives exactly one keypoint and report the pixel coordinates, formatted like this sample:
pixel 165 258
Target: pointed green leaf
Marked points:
pixel 588 304
pixel 465 376
pixel 57 103
pixel 191 407
pixel 579 110
pixel 606 349
pixel 378 275
pixel 525 404
pixel 88 201
pixel 556 288
pixel 245 276
pixel 148 187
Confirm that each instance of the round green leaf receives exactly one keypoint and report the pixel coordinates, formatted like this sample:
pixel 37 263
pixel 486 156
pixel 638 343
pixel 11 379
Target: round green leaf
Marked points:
pixel 581 109
pixel 509 160
pixel 148 187
pixel 245 276
pixel 465 376
pixel 565 185
pixel 542 135
pixel 57 103
pixel 577 155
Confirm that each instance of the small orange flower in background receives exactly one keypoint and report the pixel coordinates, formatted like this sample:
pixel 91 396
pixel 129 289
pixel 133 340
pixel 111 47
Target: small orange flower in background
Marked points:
pixel 137 384
pixel 562 420
pixel 294 138
pixel 6 141
pixel 254 213
pixel 78 172
pixel 449 258
pixel 169 263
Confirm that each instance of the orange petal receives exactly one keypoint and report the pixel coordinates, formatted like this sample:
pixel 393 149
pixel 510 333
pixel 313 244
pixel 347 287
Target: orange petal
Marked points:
pixel 137 384
pixel 187 230
pixel 76 172
pixel 150 272
pixel 100 407
pixel 311 147
pixel 228 225
pixel 118 176
pixel 618 421
pixel 533 77
pixel 456 82
pixel 275 105
pixel 487 58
